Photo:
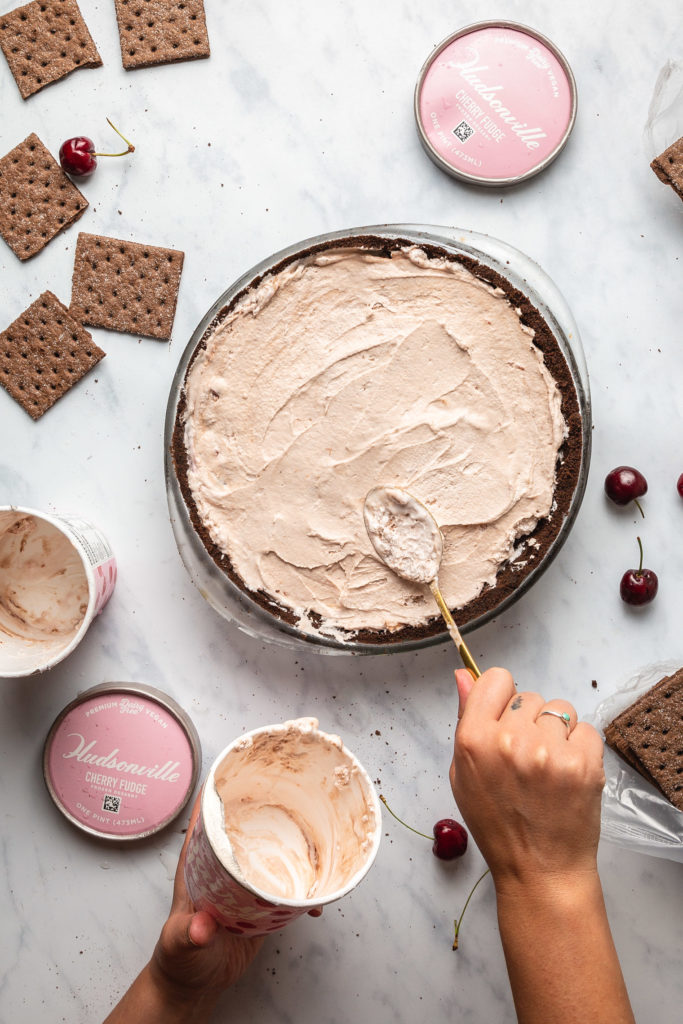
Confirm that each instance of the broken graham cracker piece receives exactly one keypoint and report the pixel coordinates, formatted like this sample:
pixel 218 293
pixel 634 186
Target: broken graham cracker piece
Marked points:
pixel 649 736
pixel 161 32
pixel 125 286
pixel 37 199
pixel 668 166
pixel 43 354
pixel 44 41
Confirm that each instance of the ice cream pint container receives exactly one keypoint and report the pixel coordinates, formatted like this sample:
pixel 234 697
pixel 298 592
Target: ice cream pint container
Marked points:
pixel 57 572
pixel 495 103
pixel 121 761
pixel 289 821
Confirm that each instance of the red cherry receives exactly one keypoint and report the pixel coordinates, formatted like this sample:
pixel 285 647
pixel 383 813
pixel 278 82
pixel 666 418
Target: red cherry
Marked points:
pixel 625 484
pixel 639 586
pixel 679 485
pixel 450 839
pixel 77 156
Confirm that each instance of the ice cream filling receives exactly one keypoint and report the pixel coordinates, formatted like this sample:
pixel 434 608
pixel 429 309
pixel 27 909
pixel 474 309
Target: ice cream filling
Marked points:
pixel 346 370
pixel 294 816
pixel 43 586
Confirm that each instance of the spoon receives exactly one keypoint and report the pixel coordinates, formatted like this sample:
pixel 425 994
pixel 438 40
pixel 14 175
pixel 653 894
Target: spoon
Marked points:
pixel 407 538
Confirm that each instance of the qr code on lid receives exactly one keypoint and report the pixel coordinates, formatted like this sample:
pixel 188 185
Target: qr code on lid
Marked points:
pixel 463 131
pixel 111 804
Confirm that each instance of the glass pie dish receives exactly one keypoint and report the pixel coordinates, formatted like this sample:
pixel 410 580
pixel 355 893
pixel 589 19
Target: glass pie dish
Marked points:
pixel 519 272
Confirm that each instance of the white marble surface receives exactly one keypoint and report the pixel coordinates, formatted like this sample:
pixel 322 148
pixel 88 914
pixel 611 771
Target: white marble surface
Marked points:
pixel 301 122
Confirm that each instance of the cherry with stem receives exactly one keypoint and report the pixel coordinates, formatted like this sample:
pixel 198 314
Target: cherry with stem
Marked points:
pixel 449 838
pixel 624 485
pixel 639 586
pixel 449 842
pixel 78 156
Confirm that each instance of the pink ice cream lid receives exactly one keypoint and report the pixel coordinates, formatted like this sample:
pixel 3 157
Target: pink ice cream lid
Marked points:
pixel 495 103
pixel 121 760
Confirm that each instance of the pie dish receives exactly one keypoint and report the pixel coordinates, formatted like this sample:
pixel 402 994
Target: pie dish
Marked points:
pixel 394 355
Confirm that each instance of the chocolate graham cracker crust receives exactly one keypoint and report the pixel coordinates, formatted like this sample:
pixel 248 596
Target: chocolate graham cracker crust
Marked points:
pixel 509 579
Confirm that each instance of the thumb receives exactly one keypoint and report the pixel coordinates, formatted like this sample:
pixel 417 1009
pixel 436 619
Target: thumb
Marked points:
pixel 464 682
pixel 201 929
pixel 183 934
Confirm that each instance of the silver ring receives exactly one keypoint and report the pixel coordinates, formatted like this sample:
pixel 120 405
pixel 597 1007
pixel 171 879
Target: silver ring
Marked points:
pixel 564 716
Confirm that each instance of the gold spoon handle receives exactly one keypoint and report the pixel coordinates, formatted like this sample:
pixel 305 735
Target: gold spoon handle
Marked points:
pixel 463 650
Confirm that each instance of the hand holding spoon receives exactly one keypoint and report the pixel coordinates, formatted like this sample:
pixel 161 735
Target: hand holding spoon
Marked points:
pixel 407 538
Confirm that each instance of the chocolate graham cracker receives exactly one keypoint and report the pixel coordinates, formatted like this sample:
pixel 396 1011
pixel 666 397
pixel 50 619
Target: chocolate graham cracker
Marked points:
pixel 616 733
pixel 125 286
pixel 618 743
pixel 649 736
pixel 43 354
pixel 638 705
pixel 44 41
pixel 161 32
pixel 37 199
pixel 668 166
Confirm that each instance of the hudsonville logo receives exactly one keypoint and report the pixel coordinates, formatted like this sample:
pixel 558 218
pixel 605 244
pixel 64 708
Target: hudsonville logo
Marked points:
pixel 470 70
pixel 84 753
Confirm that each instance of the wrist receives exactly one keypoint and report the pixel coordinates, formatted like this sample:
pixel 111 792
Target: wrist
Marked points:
pixel 179 1002
pixel 561 889
pixel 153 998
pixel 559 950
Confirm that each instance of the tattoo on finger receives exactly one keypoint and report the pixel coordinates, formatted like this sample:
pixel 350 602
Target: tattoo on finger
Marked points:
pixel 516 703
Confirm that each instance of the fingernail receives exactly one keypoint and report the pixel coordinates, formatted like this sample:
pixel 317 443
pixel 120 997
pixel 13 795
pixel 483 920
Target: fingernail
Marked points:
pixel 459 682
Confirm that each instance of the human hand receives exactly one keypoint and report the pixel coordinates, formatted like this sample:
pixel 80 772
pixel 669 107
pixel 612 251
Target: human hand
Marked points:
pixel 195 955
pixel 528 788
pixel 194 960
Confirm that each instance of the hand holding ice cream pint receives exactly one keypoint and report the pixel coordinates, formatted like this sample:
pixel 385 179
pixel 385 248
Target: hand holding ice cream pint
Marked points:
pixel 289 821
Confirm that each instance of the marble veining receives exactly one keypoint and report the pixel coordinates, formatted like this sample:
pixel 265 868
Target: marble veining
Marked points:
pixel 301 122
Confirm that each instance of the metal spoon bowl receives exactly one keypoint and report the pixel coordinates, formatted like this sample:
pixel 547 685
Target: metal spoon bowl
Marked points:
pixel 407 538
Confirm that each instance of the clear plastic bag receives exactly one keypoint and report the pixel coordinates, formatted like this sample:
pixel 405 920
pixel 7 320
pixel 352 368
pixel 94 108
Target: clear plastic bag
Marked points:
pixel 665 116
pixel 634 813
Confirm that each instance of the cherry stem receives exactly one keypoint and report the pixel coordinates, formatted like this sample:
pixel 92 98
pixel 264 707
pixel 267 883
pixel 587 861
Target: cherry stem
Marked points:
pixel 131 147
pixel 640 567
pixel 458 920
pixel 403 822
pixel 639 506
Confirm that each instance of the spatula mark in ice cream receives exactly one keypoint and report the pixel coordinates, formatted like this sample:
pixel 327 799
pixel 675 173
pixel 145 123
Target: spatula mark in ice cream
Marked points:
pixel 43 587
pixel 294 818
pixel 274 848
